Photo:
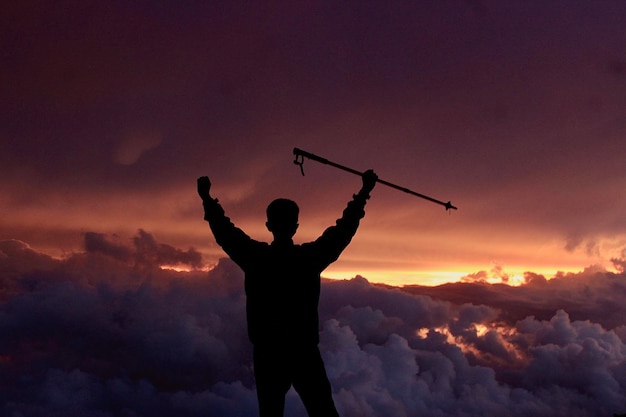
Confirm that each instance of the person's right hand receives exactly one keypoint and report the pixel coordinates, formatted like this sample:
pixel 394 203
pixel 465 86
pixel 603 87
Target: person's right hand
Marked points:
pixel 204 188
pixel 369 180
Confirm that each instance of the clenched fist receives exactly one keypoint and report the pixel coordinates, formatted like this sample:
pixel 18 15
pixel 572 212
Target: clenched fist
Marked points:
pixel 204 188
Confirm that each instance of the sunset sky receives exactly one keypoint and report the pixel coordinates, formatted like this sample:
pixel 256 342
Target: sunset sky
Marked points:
pixel 115 300
pixel 513 110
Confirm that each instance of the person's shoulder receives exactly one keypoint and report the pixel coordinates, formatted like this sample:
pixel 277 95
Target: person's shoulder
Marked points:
pixel 308 246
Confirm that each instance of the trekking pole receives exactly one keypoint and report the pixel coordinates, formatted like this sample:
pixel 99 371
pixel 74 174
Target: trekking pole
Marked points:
pixel 300 155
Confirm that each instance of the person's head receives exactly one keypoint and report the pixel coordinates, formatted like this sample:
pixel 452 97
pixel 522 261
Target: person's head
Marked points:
pixel 282 218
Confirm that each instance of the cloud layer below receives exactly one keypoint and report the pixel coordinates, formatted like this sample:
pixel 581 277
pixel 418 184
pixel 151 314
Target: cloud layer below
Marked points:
pixel 108 332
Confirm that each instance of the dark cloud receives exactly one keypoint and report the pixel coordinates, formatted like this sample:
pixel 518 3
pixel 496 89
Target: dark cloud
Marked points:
pixel 151 252
pixel 17 261
pixel 144 251
pixel 101 243
pixel 592 294
pixel 93 335
pixel 18 256
pixel 620 262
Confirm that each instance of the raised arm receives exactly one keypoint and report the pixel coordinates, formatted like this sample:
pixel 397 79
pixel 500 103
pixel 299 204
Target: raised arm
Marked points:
pixel 334 240
pixel 233 240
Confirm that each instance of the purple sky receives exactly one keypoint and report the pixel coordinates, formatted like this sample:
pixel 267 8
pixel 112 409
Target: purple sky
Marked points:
pixel 513 110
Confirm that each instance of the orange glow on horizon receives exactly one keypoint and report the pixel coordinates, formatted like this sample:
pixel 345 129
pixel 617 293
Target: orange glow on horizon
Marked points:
pixel 399 278
pixel 395 257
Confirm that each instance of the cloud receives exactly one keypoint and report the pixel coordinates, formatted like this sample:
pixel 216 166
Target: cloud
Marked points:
pixel 18 256
pixel 145 250
pixel 17 261
pixel 94 335
pixel 620 262
pixel 592 294
pixel 101 243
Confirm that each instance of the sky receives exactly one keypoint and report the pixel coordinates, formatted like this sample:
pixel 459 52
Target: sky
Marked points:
pixel 515 111
pixel 115 299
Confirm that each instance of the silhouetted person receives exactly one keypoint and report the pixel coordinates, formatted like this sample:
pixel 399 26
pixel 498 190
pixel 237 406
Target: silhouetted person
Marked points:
pixel 282 284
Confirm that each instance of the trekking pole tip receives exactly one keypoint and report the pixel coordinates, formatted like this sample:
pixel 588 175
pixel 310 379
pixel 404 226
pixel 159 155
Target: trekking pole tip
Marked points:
pixel 449 206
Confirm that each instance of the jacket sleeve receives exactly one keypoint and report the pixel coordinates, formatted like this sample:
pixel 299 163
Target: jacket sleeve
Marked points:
pixel 234 241
pixel 336 238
